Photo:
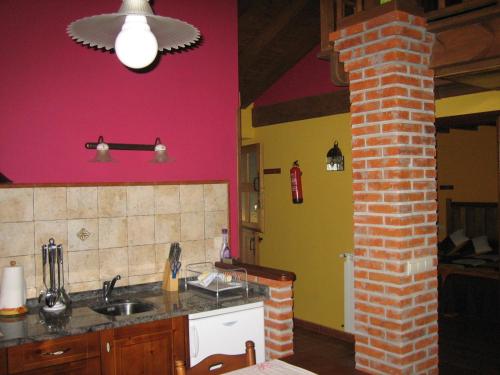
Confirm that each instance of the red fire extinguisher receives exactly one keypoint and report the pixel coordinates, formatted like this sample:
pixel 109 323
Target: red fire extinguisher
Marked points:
pixel 296 181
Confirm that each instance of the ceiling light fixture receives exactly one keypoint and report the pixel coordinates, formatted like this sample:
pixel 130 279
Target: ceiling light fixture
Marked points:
pixel 103 154
pixel 135 32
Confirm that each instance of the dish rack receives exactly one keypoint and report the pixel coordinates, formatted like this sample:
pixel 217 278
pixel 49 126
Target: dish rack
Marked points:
pixel 206 276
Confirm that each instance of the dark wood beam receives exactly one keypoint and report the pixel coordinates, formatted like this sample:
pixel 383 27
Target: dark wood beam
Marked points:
pixel 469 121
pixel 300 109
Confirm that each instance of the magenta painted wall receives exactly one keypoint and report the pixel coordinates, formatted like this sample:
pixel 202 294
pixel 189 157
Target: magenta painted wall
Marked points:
pixel 55 95
pixel 309 77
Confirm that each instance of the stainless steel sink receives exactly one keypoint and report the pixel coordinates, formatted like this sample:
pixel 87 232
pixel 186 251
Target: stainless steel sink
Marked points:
pixel 123 307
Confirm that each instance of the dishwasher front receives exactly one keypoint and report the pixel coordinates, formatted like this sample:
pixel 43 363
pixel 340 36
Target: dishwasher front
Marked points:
pixel 225 331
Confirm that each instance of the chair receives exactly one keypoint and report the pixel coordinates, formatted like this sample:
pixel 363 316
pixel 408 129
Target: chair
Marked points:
pixel 219 363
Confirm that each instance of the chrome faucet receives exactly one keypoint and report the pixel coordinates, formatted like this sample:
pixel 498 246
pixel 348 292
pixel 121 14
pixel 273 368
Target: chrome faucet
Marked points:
pixel 107 288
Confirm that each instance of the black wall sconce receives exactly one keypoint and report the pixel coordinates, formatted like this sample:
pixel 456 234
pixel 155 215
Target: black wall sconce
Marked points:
pixel 335 159
pixel 103 154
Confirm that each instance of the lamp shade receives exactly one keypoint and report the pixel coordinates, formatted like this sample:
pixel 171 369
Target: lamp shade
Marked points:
pixel 102 30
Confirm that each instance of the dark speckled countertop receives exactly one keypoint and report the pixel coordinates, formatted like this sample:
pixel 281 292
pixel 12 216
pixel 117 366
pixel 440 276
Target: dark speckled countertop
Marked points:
pixel 37 325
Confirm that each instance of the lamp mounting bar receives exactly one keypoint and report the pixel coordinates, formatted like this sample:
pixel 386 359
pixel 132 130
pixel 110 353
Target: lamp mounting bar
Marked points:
pixel 123 146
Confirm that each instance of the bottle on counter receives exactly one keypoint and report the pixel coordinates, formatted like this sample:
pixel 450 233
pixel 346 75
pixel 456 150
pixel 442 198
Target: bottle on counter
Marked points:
pixel 225 251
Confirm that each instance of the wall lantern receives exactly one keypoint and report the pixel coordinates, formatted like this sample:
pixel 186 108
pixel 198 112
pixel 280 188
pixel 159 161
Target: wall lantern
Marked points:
pixel 335 159
pixel 135 32
pixel 103 154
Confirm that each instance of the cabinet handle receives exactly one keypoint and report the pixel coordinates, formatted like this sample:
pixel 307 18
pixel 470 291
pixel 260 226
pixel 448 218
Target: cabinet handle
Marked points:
pixel 229 324
pixel 56 353
pixel 195 342
pixel 108 347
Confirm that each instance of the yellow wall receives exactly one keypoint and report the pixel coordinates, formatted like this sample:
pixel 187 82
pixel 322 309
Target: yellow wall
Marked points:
pixel 308 238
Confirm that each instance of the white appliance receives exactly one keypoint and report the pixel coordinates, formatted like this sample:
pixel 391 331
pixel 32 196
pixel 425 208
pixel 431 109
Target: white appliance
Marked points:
pixel 225 331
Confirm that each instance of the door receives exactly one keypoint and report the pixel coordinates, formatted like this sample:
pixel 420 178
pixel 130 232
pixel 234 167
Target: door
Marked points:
pixel 251 207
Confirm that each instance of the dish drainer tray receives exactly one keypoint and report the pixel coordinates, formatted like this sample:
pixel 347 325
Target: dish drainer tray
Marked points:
pixel 224 280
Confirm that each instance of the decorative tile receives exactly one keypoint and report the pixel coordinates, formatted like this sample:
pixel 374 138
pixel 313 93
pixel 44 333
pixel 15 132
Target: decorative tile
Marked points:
pixel 113 262
pixel 16 205
pixel 83 234
pixel 141 260
pixel 82 202
pixel 140 200
pixel 191 198
pixel 17 238
pixel 45 230
pixel 167 228
pixel 112 201
pixel 192 226
pixel 214 222
pixel 216 197
pixel 167 199
pixel 141 230
pixel 83 266
pixel 112 232
pixel 50 203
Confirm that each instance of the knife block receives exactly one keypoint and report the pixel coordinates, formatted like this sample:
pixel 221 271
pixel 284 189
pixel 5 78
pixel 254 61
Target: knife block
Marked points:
pixel 170 284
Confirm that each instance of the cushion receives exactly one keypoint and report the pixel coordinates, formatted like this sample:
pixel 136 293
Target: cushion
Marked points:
pixel 452 244
pixel 458 237
pixel 481 245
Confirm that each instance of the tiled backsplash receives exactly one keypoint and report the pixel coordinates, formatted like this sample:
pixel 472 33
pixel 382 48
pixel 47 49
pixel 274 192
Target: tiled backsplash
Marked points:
pixel 110 230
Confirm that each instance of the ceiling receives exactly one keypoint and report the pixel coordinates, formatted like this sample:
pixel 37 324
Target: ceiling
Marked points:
pixel 273 35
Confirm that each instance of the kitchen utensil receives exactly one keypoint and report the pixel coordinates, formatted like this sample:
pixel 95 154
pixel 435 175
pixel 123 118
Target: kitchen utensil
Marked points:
pixel 171 252
pixel 175 267
pixel 51 295
pixel 66 299
pixel 44 272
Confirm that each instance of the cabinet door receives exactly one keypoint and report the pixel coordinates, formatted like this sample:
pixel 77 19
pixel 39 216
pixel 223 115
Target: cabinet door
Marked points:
pixel 147 349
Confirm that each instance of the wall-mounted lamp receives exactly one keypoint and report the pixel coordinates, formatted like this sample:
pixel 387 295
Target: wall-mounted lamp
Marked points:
pixel 335 159
pixel 135 32
pixel 103 154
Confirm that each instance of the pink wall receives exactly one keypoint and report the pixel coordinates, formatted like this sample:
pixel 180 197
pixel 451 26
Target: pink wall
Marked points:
pixel 309 77
pixel 55 95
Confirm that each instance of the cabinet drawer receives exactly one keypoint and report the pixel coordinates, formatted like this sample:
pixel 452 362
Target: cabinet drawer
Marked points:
pixel 52 352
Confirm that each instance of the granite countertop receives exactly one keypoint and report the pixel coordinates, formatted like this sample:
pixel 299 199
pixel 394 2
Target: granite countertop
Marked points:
pixel 79 318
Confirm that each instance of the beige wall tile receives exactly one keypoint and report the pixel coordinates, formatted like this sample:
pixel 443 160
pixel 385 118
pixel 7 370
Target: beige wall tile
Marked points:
pixel 83 266
pixel 141 230
pixel 82 202
pixel 141 260
pixel 112 232
pixel 83 228
pixel 45 230
pixel 113 262
pixel 50 203
pixel 212 249
pixel 28 263
pixel 192 226
pixel 167 228
pixel 214 222
pixel 16 205
pixel 191 198
pixel 162 250
pixel 192 252
pixel 167 199
pixel 17 239
pixel 81 287
pixel 112 201
pixel 144 279
pixel 140 200
pixel 216 197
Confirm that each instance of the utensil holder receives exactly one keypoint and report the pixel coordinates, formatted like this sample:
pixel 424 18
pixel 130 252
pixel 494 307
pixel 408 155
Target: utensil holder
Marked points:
pixel 169 283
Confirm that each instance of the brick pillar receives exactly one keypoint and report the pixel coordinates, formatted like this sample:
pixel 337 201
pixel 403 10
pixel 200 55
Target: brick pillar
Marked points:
pixel 394 171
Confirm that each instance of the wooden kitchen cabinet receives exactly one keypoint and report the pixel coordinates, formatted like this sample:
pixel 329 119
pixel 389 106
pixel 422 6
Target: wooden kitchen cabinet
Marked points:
pixel 147 349
pixel 70 355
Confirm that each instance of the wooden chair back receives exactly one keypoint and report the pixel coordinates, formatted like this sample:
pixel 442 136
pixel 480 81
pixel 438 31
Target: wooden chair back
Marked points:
pixel 219 363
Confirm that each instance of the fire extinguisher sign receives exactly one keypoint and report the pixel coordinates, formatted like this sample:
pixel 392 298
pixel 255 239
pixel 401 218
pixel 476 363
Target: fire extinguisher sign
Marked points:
pixel 296 182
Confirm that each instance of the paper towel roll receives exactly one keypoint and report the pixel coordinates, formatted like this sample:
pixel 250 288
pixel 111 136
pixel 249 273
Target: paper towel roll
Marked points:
pixel 13 288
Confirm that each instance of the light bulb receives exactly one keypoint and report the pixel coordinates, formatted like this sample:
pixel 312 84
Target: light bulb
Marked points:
pixel 135 45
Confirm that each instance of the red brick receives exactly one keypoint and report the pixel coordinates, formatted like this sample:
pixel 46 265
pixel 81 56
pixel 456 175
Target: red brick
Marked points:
pixel 403 197
pixel 367 175
pixel 347 43
pixel 386 44
pixel 389 185
pixel 369 286
pixel 405 290
pixel 391 348
pixel 385 69
pixel 369 241
pixel 403 103
pixel 363 85
pixel 387 140
pixel 386 92
pixel 366 219
pixel 368 197
pixel 404 220
pixel 391 279
pixel 365 107
pixel 387 116
pixel 388 162
pixel 403 150
pixel 403 173
pixel 364 130
pixel 403 30
pixel 366 153
pixel 400 79
pixel 369 351
pixel 372 265
pixel 390 255
pixel 389 208
pixel 387 18
pixel 408 128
